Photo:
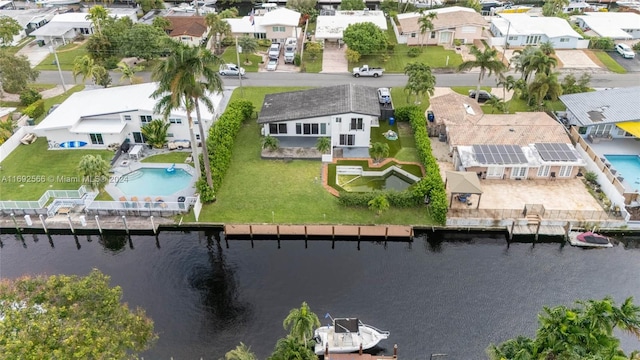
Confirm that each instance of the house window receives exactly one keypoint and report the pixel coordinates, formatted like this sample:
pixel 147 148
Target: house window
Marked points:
pixel 323 129
pixel 260 35
pixel 145 119
pixel 175 121
pixel 600 130
pixel 356 124
pixel 299 128
pixel 518 172
pixel 513 38
pixel 170 135
pixel 413 35
pixel 278 29
pixel 565 171
pixel 495 172
pixel 347 140
pixel 543 171
pixel 127 118
pixel 432 35
pixel 564 40
pixel 533 39
pixel 338 120
pixel 468 29
pixel 306 129
pixel 277 128
pixel 96 139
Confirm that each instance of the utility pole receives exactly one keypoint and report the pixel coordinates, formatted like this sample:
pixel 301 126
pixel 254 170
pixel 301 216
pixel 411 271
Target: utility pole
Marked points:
pixel 55 54
pixel 304 37
pixel 239 67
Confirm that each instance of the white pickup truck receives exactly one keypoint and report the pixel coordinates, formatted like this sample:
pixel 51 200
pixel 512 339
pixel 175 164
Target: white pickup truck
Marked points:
pixel 365 70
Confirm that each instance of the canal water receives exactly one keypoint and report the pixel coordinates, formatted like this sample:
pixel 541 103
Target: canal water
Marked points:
pixel 452 294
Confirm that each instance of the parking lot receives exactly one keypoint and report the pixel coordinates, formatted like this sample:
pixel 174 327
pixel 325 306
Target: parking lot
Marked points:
pixel 631 65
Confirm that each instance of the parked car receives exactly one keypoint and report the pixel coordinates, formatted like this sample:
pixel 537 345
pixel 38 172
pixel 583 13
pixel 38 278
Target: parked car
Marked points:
pixel 272 65
pixel 231 69
pixel 274 51
pixel 484 95
pixel 384 96
pixel 625 51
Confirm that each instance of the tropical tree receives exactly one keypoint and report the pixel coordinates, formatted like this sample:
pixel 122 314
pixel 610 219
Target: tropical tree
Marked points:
pixel 145 41
pixel 571 85
pixel 85 66
pixel 508 83
pixel 241 352
pixel 486 61
pixel 95 171
pixel 379 204
pixel 6 130
pixel 161 23
pixel 426 23
pixel 15 72
pixel 155 133
pixel 270 142
pixel 249 46
pixel 545 87
pixel 9 28
pixel 70 317
pixel 497 104
pixel 98 15
pixel 128 71
pixel 553 7
pixel 290 348
pixel 147 5
pixel 352 5
pixel 323 144
pixel 379 151
pixel 366 38
pixel 522 60
pixel 185 78
pixel 547 48
pixel 543 64
pixel 101 76
pixel 218 28
pixel 301 323
pixel 421 80
pixel 313 49
pixel 231 13
pixel 473 4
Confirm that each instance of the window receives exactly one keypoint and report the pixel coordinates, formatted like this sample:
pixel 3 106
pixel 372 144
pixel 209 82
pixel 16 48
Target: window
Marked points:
pixel 518 172
pixel 96 139
pixel 338 120
pixel 513 38
pixel 468 29
pixel 282 128
pixel 533 39
pixel 564 40
pixel 600 130
pixel 278 29
pixel 347 140
pixel 356 124
pixel 277 128
pixel 298 128
pixel 127 118
pixel 260 35
pixel 175 121
pixel 306 129
pixel 495 172
pixel 170 135
pixel 565 171
pixel 145 119
pixel 432 35
pixel 413 35
pixel 197 136
pixel 543 171
pixel 323 129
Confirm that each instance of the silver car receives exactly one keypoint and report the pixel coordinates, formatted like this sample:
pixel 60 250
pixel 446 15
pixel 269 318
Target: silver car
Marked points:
pixel 231 69
pixel 625 51
pixel 272 65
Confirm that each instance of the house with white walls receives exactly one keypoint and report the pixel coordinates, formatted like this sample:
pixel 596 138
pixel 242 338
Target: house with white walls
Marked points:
pixel 519 30
pixel 277 25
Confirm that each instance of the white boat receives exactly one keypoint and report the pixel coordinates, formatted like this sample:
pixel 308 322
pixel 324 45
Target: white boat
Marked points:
pixel 589 239
pixel 346 335
pixel 51 3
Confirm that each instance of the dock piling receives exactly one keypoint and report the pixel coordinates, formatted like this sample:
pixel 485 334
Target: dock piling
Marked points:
pixel 27 219
pixel 83 220
pixel 44 225
pixel 126 226
pixel 386 232
pixel 98 223
pixel 73 231
pixel 251 234
pixel 538 230
pixel 395 351
pixel 360 350
pixel 13 217
pixel 153 226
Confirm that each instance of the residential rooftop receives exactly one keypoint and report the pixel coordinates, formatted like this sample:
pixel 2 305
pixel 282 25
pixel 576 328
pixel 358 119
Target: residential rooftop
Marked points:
pixel 611 24
pixel 523 24
pixel 332 26
pixel 604 106
pixel 446 18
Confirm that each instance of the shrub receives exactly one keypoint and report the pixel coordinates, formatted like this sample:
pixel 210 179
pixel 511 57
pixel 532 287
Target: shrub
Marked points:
pixel 636 46
pixel 414 52
pixel 34 110
pixel 457 42
pixel 391 47
pixel 111 62
pixel 591 177
pixel 297 60
pixel 601 43
pixel 403 113
pixel 29 96
pixel 207 194
pixel 353 56
pixel 263 43
pixel 230 41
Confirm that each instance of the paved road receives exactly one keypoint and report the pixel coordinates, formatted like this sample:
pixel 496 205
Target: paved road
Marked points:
pixel 598 80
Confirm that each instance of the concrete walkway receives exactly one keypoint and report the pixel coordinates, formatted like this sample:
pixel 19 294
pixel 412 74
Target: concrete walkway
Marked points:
pixel 46 94
pixel 334 59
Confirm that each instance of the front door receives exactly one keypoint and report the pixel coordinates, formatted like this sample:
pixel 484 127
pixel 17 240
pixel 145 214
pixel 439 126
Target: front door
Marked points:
pixel 445 37
pixel 138 138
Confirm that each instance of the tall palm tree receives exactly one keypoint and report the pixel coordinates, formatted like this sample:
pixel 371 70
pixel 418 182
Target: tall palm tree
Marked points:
pixel 290 348
pixel 98 15
pixel 547 48
pixel 543 64
pixel 426 24
pixel 545 87
pixel 249 46
pixel 379 151
pixel 421 80
pixel 95 171
pixel 85 66
pixel 190 72
pixel 301 323
pixel 508 83
pixel 218 28
pixel 128 71
pixel 486 61
pixel 241 352
pixel 522 60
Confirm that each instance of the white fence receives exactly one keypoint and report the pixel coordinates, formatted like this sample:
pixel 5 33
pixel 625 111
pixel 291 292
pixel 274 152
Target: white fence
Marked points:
pixel 357 170
pixel 14 141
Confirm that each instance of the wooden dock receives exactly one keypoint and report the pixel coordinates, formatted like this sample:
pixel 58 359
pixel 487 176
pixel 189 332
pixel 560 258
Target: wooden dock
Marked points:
pixel 536 230
pixel 329 231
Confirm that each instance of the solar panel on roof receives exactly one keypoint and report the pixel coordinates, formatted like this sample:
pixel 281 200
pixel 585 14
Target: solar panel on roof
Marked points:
pixel 556 152
pixel 499 154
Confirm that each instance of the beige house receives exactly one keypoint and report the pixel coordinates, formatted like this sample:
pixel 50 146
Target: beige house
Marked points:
pixel 451 23
pixel 522 146
pixel 190 30
pixel 276 25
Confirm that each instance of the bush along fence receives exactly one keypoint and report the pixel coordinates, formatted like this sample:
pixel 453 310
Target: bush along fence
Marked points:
pixel 430 187
pixel 222 136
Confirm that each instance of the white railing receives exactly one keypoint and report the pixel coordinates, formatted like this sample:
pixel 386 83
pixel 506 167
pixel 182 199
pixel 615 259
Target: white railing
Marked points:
pixel 14 141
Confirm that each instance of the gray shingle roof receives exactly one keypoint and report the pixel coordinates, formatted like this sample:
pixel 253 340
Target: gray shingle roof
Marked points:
pixel 325 101
pixel 604 107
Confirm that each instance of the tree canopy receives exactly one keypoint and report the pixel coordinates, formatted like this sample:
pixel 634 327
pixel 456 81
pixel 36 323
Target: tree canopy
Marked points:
pixel 15 72
pixel 8 29
pixel 352 5
pixel 366 38
pixel 145 41
pixel 69 317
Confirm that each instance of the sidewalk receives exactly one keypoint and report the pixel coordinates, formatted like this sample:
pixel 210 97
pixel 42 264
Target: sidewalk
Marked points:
pixel 47 94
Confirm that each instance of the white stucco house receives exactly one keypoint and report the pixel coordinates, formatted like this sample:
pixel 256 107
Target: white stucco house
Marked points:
pixel 615 25
pixel 344 113
pixel 331 27
pixel 102 117
pixel 29 20
pixel 277 25
pixel 520 30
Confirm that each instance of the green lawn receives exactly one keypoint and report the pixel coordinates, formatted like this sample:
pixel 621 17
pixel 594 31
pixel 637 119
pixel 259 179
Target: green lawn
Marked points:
pixel 12 50
pixel 174 157
pixel 48 103
pixel 229 56
pixel 464 90
pixel 261 191
pixel 66 55
pixel 520 105
pixel 50 169
pixel 401 98
pixel 312 66
pixel 434 56
pixel 609 62
pixel 377 135
pixel 41 87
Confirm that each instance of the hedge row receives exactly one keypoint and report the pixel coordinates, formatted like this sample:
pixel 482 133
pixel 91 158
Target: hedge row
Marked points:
pixel 35 109
pixel 222 136
pixel 400 199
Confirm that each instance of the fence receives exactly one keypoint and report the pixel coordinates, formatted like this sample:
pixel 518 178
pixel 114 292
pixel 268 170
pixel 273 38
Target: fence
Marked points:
pixel 14 141
pixel 140 208
pixel 562 215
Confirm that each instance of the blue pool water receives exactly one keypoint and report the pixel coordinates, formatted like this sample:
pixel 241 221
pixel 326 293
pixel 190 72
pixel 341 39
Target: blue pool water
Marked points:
pixel 628 166
pixel 153 182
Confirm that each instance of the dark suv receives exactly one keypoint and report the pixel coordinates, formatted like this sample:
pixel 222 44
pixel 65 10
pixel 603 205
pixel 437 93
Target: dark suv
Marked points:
pixel 484 95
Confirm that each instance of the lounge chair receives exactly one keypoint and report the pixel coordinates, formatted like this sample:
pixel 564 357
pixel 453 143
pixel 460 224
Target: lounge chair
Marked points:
pixel 134 201
pixel 160 203
pixel 124 201
pixel 147 202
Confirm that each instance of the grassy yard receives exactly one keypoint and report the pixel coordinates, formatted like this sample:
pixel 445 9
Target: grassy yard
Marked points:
pixel 48 103
pixel 50 169
pixel 229 56
pixel 174 157
pixel 434 56
pixel 66 55
pixel 609 62
pixel 263 191
pixel 312 66
pixel 513 105
pixel 401 98
pixel 12 50
pixel 41 87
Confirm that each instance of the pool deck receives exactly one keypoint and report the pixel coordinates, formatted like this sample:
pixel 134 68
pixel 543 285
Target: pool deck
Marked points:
pixel 124 167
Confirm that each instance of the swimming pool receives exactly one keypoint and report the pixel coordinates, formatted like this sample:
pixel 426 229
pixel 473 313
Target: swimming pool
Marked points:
pixel 627 166
pixel 154 182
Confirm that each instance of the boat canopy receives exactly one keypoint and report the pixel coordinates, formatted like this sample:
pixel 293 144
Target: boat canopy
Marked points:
pixel 346 325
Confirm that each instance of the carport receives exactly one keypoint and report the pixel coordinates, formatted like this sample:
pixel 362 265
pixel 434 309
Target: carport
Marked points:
pixel 463 182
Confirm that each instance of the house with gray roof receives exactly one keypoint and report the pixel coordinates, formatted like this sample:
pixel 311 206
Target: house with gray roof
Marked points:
pixel 344 113
pixel 606 114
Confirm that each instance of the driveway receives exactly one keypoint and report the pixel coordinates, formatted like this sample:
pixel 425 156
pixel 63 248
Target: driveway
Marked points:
pixel 631 65
pixel 34 53
pixel 334 59
pixel 575 59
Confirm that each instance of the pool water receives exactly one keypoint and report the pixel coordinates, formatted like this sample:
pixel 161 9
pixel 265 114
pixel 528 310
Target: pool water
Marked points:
pixel 154 182
pixel 628 166
pixel 393 181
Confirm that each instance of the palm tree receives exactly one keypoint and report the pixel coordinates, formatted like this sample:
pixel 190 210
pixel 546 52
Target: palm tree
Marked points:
pixel 98 15
pixel 421 80
pixel 271 143
pixel 496 104
pixel 85 66
pixel 547 48
pixel 323 144
pixel 249 45
pixel 379 204
pixel 425 22
pixel 128 72
pixel 217 28
pixel 155 133
pixel 301 323
pixel 95 171
pixel 522 60
pixel 545 87
pixel 290 348
pixel 486 61
pixel 241 352
pixel 379 151
pixel 189 73
pixel 543 64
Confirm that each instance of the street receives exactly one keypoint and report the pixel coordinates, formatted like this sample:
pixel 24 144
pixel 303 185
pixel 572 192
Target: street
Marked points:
pixel 598 80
